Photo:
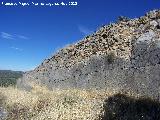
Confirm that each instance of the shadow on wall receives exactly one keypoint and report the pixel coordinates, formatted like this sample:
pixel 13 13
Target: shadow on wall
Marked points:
pixel 122 107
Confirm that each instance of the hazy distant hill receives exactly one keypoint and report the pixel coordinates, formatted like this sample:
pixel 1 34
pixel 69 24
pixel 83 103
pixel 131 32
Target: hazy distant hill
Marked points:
pixel 8 77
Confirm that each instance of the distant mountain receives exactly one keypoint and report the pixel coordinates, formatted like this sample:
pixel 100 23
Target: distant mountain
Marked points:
pixel 121 56
pixel 8 77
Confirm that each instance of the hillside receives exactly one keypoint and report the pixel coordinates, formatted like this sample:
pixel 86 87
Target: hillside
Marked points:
pixel 8 77
pixel 121 56
pixel 113 74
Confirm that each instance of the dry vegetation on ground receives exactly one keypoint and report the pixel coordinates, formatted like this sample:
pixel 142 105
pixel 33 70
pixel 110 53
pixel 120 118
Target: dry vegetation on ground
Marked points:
pixel 75 104
pixel 43 104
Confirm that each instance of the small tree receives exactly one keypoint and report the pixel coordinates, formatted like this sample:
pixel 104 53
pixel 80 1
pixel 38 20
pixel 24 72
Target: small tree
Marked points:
pixel 110 57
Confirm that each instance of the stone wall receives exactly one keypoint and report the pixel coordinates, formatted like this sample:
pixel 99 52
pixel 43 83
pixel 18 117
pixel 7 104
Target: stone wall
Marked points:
pixel 120 56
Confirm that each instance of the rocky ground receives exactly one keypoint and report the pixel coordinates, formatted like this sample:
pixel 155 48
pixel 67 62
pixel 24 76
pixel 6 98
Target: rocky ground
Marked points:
pixel 122 56
pixel 3 113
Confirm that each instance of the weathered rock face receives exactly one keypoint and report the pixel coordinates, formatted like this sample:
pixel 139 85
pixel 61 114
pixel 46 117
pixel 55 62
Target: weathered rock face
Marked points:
pixel 122 56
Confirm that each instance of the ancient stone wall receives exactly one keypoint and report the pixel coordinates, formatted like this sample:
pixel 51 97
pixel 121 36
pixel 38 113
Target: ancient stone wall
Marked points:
pixel 120 56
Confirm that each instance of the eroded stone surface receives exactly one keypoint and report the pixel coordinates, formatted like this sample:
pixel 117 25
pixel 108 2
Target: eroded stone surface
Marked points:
pixel 122 56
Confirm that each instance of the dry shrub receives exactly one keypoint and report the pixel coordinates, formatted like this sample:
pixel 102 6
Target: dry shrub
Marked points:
pixel 58 104
pixel 2 99
pixel 43 104
pixel 18 112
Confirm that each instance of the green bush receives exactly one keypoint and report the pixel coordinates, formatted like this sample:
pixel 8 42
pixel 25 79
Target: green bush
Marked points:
pixel 110 58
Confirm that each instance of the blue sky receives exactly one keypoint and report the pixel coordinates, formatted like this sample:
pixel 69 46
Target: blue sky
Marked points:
pixel 30 34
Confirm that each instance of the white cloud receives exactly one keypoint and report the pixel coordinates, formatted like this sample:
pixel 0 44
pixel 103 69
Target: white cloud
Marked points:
pixel 84 30
pixel 6 35
pixel 22 37
pixel 16 48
